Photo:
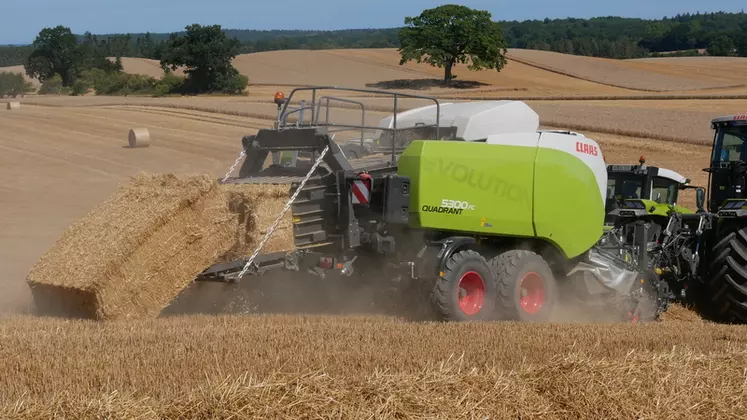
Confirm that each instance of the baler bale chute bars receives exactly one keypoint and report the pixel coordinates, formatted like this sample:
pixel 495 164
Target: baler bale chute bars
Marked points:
pixel 315 113
pixel 311 138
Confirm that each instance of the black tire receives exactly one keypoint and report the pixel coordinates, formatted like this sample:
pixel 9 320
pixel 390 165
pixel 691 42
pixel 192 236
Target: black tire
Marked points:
pixel 727 283
pixel 511 269
pixel 467 272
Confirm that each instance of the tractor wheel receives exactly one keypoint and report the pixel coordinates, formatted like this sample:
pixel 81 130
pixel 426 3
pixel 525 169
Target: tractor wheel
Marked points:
pixel 526 286
pixel 466 290
pixel 727 282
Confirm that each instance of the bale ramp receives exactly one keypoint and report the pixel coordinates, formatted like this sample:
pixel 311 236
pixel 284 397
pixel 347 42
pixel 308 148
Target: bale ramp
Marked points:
pixel 136 251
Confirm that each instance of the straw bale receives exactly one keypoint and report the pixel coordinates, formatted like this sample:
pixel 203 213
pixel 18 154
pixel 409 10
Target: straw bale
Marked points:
pixel 139 137
pixel 14 105
pixel 137 250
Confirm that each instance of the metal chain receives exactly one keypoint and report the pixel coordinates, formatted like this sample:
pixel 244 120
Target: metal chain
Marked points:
pixel 282 213
pixel 230 171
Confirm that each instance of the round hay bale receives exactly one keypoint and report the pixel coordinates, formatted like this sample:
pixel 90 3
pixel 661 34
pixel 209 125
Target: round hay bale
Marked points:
pixel 139 137
pixel 14 105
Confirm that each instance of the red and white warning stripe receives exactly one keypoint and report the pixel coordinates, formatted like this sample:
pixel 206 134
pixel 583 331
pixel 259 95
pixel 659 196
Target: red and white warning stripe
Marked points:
pixel 361 190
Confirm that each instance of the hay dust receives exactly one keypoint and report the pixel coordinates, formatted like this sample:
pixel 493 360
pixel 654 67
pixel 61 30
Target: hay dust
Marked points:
pixel 133 253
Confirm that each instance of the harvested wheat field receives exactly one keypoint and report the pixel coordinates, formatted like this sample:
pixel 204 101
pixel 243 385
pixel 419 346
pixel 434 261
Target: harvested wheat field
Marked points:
pixel 369 367
pixel 675 121
pixel 731 70
pixel 528 74
pixel 618 73
pixel 63 162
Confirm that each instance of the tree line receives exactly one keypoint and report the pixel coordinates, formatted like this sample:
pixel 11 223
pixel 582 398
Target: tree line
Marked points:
pixel 66 64
pixel 611 37
pixel 442 37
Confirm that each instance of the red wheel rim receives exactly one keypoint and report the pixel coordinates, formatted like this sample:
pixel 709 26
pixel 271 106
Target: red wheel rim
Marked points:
pixel 633 317
pixel 471 293
pixel 532 291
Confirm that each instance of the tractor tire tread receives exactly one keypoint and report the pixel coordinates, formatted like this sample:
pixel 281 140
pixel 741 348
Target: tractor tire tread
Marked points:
pixel 728 283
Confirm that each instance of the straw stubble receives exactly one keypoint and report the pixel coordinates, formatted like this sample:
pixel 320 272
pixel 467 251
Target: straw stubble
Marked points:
pixel 135 252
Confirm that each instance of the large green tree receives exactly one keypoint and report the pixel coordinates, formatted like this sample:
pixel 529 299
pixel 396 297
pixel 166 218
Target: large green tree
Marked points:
pixel 206 52
pixel 451 34
pixel 55 52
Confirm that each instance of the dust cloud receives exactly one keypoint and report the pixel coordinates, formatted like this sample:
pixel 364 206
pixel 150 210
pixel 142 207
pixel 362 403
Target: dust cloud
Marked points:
pixel 15 298
pixel 294 293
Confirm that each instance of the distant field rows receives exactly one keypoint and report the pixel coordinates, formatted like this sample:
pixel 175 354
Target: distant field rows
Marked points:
pixel 611 72
pixel 536 73
pixel 644 118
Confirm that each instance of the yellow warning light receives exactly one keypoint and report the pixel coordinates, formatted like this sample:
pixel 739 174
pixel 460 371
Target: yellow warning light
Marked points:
pixel 643 281
pixel 279 98
pixel 441 273
pixel 296 219
pixel 658 271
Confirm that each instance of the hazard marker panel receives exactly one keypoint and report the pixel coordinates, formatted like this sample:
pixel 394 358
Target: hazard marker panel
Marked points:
pixel 361 191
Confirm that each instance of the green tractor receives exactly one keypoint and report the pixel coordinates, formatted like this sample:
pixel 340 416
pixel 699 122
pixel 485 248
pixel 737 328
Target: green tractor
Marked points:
pixel 702 255
pixel 722 293
pixel 657 189
pixel 646 198
pixel 486 217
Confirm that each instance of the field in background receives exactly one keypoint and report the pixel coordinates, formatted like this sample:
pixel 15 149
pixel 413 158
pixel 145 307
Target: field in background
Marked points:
pixel 529 73
pixel 655 76
pixel 60 156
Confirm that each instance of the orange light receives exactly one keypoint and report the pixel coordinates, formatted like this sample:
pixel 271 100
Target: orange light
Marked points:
pixel 642 159
pixel 279 98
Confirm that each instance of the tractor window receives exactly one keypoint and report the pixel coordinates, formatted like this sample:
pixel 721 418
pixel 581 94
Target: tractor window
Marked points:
pixel 731 144
pixel 667 188
pixel 622 188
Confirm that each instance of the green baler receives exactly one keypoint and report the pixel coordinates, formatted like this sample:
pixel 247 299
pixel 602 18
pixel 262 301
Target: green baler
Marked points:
pixel 479 209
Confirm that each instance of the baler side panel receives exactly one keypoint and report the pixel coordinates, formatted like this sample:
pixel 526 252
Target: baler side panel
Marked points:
pixel 570 177
pixel 470 187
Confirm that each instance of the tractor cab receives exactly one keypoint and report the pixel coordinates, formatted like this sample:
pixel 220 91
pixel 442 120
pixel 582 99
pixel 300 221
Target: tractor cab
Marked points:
pixel 728 170
pixel 641 182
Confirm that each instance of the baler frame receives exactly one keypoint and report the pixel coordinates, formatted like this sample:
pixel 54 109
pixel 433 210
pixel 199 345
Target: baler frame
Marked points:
pixel 337 234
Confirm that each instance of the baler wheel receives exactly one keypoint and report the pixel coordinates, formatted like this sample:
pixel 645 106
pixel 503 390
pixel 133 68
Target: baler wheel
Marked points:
pixel 526 286
pixel 466 289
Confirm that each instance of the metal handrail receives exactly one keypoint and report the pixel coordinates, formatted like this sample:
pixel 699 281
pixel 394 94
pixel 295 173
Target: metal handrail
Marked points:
pixel 363 127
pixel 350 101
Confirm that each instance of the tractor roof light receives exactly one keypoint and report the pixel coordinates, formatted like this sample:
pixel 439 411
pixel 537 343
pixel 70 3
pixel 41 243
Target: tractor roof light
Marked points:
pixel 279 99
pixel 642 160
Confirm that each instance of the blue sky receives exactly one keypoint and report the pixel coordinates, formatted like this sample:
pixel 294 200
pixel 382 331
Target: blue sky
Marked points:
pixel 22 19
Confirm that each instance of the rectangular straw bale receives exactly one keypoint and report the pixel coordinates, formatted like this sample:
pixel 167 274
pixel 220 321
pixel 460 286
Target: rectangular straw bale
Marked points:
pixel 137 250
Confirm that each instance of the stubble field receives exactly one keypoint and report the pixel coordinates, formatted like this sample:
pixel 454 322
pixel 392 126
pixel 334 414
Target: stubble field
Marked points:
pixel 60 156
